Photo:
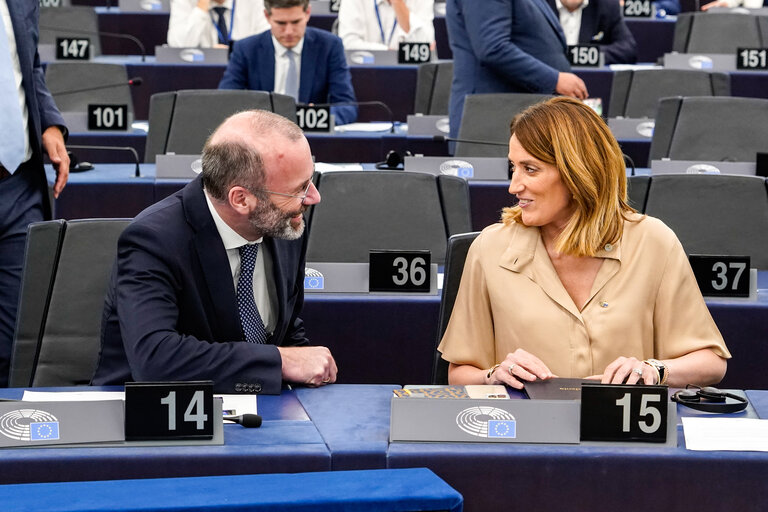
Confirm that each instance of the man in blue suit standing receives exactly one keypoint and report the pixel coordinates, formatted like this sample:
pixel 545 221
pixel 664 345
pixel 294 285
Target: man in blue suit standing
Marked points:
pixel 293 59
pixel 30 125
pixel 506 46
pixel 209 282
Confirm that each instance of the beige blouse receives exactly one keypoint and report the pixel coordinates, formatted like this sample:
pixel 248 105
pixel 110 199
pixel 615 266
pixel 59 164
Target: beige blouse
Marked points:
pixel 644 303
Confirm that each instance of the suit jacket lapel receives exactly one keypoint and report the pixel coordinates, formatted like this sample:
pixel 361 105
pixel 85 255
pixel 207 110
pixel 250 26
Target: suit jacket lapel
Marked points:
pixel 282 293
pixel 553 20
pixel 309 55
pixel 213 262
pixel 588 23
pixel 266 63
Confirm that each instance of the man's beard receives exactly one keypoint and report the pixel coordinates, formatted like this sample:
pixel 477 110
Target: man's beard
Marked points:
pixel 273 222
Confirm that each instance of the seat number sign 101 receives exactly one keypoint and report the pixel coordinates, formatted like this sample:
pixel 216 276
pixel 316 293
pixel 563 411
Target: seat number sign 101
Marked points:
pixel 584 55
pixel 399 271
pixel 108 117
pixel 624 413
pixel 752 58
pixel 168 410
pixel 73 48
pixel 721 276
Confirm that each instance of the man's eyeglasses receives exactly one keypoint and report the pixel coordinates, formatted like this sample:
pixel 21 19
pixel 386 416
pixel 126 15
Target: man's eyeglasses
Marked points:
pixel 303 196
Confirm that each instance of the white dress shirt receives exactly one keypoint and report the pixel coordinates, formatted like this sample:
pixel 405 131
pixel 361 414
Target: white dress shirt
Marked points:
pixel 571 21
pixel 264 292
pixel 191 27
pixel 281 63
pixel 359 26
pixel 17 75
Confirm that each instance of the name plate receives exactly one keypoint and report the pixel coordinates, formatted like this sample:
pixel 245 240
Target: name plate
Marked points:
pixel 638 9
pixel 73 48
pixel 107 117
pixel 399 271
pixel 624 413
pixel 334 5
pixel 752 58
pixel 413 53
pixel 312 118
pixel 51 3
pixel 169 410
pixel 585 55
pixel 721 276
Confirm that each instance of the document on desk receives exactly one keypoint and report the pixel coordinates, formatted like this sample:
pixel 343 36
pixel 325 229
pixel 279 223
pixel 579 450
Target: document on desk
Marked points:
pixel 232 404
pixel 732 434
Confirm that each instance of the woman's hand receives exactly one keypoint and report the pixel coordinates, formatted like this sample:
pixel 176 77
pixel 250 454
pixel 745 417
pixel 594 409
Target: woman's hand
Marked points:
pixel 520 367
pixel 627 370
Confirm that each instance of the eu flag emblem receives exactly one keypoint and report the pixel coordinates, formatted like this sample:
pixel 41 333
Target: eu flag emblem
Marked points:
pixel 314 283
pixel 502 428
pixel 44 431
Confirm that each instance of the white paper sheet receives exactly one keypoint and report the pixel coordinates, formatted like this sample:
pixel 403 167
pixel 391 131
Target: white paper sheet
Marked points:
pixel 733 434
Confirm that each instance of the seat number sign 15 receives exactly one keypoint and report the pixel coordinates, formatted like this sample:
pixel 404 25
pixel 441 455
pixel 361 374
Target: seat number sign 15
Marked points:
pixel 168 410
pixel 624 413
pixel 399 271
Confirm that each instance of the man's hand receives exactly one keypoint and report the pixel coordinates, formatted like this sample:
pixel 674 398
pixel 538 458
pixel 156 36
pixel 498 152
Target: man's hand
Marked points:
pixel 313 366
pixel 53 144
pixel 571 85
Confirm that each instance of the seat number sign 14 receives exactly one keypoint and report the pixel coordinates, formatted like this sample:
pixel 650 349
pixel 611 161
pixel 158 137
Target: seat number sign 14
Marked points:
pixel 168 410
pixel 399 271
pixel 624 413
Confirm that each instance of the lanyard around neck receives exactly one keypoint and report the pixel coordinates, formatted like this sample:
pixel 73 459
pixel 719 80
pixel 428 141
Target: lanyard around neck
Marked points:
pixel 231 23
pixel 381 27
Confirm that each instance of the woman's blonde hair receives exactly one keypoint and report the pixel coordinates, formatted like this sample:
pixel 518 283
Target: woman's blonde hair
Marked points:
pixel 568 134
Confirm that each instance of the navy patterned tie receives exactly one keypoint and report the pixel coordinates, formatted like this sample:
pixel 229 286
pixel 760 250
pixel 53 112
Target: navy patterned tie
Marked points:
pixel 221 23
pixel 250 320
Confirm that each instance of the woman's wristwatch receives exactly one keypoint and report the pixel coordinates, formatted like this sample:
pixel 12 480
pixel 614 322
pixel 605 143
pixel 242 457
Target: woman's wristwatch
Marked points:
pixel 661 370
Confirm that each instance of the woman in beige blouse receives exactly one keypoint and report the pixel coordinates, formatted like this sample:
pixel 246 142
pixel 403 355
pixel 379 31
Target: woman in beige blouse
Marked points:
pixel 573 282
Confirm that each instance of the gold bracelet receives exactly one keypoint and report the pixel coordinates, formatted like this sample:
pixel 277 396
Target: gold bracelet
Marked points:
pixel 490 371
pixel 655 370
pixel 661 369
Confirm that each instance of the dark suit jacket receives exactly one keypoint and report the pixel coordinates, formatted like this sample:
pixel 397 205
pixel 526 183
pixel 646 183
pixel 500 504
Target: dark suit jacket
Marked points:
pixel 603 24
pixel 171 310
pixel 42 110
pixel 503 46
pixel 325 76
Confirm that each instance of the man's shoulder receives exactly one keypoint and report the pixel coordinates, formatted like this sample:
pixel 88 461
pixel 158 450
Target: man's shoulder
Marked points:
pixel 254 41
pixel 318 36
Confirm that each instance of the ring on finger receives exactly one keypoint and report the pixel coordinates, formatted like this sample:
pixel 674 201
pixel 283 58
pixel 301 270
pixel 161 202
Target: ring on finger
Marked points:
pixel 638 371
pixel 326 381
pixel 511 368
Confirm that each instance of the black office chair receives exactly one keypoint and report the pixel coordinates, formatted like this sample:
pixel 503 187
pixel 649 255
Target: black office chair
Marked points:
pixel 181 121
pixel 714 214
pixel 458 246
pixel 636 93
pixel 433 88
pixel 370 210
pixel 719 32
pixel 66 270
pixel 74 21
pixel 487 117
pixel 637 191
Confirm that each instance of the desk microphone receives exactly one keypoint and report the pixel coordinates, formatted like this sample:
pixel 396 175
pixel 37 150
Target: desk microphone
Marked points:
pixel 374 103
pixel 129 37
pixel 135 154
pixel 443 138
pixel 246 420
pixel 135 82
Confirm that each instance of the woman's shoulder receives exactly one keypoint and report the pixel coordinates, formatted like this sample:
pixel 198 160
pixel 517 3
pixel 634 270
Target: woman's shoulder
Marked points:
pixel 647 230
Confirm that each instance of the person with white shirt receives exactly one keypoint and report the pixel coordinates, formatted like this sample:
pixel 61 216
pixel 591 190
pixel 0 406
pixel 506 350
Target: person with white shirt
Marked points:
pixel 293 59
pixel 383 24
pixel 209 282
pixel 214 23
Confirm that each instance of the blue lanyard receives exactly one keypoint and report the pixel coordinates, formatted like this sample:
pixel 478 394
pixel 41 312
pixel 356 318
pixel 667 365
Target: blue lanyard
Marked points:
pixel 231 23
pixel 381 27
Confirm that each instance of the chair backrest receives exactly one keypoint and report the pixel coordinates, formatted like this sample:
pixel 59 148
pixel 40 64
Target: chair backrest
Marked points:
pixel 62 77
pixel 67 345
pixel 714 214
pixel 370 210
pixel 637 93
pixel 76 21
pixel 433 88
pixel 637 191
pixel 181 121
pixel 486 117
pixel 458 246
pixel 719 32
pixel 710 129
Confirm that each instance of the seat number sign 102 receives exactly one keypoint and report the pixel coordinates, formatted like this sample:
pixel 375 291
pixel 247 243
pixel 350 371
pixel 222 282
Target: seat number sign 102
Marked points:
pixel 313 118
pixel 168 410
pixel 721 276
pixel 624 413
pixel 399 271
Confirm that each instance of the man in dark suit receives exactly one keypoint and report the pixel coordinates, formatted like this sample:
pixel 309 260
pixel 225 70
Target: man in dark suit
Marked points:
pixel 598 22
pixel 293 59
pixel 506 46
pixel 30 125
pixel 209 283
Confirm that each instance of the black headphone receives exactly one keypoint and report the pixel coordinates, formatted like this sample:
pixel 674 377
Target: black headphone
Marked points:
pixel 393 161
pixel 709 399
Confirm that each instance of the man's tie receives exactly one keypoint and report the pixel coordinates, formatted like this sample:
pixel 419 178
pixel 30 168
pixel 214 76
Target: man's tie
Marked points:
pixel 12 148
pixel 221 23
pixel 292 77
pixel 250 320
